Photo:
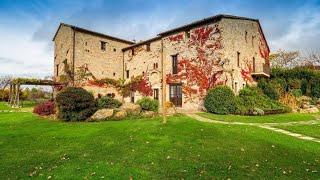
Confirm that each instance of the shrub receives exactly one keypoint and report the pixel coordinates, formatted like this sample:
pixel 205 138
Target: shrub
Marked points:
pixel 45 108
pixel 296 92
pixel 294 83
pixel 268 89
pixel 252 98
pixel 304 86
pixel 315 87
pixel 108 102
pixel 75 104
pixel 220 100
pixel 148 104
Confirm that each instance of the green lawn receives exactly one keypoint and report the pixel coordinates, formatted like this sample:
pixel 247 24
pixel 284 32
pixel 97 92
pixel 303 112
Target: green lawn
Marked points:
pixel 147 149
pixel 26 106
pixel 278 118
pixel 309 130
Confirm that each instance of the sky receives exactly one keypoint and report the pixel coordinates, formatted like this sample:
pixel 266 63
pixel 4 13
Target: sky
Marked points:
pixel 28 26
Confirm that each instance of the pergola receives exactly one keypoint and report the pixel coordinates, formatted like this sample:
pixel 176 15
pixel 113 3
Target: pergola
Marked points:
pixel 14 95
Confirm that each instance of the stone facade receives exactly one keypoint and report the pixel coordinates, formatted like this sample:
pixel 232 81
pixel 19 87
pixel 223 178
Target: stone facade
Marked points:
pixel 220 50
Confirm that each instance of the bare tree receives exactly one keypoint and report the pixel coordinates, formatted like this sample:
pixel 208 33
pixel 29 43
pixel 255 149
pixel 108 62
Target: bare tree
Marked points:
pixel 311 60
pixel 4 82
pixel 285 59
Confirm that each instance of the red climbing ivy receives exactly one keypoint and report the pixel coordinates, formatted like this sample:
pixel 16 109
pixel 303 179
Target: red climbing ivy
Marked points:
pixel 246 73
pixel 177 37
pixel 200 73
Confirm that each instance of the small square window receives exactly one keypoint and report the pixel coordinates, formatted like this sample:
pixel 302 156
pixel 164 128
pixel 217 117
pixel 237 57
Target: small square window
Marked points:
pixel 187 33
pixel 103 45
pixel 114 49
pixel 148 46
pixel 114 74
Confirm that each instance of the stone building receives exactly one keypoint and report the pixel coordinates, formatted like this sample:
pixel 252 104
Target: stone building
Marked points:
pixel 219 50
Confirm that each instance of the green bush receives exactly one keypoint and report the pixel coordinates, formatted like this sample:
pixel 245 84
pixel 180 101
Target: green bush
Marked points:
pixel 294 83
pixel 252 98
pixel 220 100
pixel 75 104
pixel 148 104
pixel 304 86
pixel 296 92
pixel 315 87
pixel 108 102
pixel 268 89
pixel 306 79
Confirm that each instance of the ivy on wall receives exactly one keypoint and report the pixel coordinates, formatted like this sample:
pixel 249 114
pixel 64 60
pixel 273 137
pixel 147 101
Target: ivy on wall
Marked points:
pixel 203 71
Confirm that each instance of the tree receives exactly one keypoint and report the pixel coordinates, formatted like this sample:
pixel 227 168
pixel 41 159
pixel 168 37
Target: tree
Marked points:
pixel 4 82
pixel 284 59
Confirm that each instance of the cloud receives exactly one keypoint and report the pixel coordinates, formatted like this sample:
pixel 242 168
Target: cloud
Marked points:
pixel 27 28
pixel 302 33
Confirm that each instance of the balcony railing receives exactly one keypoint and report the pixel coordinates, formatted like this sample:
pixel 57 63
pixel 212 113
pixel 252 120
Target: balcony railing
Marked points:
pixel 261 70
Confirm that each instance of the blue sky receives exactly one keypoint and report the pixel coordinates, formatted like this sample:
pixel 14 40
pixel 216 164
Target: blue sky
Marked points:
pixel 27 26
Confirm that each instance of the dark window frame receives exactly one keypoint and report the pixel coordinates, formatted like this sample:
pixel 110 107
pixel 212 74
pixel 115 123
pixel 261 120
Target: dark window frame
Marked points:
pixel 175 64
pixel 188 33
pixel 103 45
pixel 238 58
pixel 57 69
pixel 148 47
pixel 156 93
pixel 127 74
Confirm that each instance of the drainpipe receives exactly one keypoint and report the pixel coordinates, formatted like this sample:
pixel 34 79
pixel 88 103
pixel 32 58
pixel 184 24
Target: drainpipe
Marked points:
pixel 164 120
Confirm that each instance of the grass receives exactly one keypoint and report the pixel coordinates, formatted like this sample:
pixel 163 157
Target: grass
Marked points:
pixel 312 130
pixel 26 106
pixel 147 149
pixel 278 118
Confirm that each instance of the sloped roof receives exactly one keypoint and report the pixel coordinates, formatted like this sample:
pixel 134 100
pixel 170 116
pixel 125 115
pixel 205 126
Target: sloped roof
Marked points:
pixel 91 32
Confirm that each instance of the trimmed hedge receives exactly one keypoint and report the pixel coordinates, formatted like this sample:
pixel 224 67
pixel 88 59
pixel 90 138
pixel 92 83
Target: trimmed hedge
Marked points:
pixel 220 100
pixel 75 104
pixel 108 102
pixel 148 104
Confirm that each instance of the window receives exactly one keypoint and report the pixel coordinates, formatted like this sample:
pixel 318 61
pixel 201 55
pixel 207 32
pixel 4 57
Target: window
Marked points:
pixel 254 64
pixel 127 72
pixel 143 73
pixel 187 33
pixel 103 45
pixel 148 46
pixel 156 94
pixel 114 49
pixel 86 43
pixel 246 36
pixel 132 51
pixel 175 64
pixel 114 74
pixel 132 97
pixel 236 87
pixel 238 59
pixel 155 65
pixel 57 70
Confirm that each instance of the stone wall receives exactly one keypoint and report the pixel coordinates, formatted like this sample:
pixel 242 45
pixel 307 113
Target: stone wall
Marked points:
pixel 62 50
pixel 207 54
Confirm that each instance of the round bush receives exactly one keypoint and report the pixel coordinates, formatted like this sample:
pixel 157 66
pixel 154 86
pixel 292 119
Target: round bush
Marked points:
pixel 148 104
pixel 75 104
pixel 220 100
pixel 108 102
pixel 45 108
